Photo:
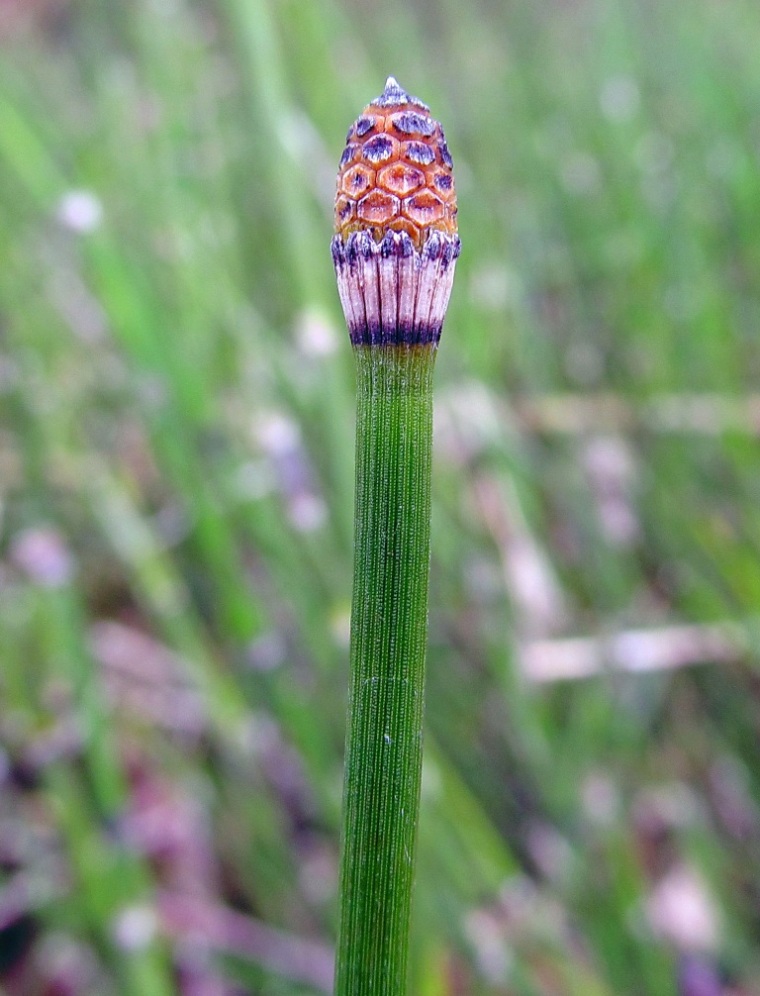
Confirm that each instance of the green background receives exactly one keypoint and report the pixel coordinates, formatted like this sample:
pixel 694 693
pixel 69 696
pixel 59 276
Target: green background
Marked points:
pixel 176 482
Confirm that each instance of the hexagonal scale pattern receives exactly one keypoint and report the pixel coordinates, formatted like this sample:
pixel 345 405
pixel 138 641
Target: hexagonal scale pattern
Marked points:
pixel 378 208
pixel 357 181
pixel 400 178
pixel 423 209
pixel 395 173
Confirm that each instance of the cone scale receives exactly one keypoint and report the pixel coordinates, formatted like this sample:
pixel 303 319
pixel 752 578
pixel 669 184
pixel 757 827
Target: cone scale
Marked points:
pixel 394 250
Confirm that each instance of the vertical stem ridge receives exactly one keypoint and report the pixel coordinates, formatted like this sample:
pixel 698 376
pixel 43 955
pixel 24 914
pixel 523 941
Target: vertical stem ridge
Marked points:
pixel 388 649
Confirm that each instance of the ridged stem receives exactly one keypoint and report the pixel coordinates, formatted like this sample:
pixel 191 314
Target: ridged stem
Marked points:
pixel 388 648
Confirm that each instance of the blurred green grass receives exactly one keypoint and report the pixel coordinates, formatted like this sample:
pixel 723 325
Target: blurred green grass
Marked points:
pixel 176 477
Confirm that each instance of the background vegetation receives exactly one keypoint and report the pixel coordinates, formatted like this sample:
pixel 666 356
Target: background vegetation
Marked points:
pixel 176 479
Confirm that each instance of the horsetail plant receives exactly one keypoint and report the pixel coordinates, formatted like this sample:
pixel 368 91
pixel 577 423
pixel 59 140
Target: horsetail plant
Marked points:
pixel 394 252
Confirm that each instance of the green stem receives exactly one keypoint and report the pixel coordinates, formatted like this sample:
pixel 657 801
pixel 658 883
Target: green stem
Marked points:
pixel 388 647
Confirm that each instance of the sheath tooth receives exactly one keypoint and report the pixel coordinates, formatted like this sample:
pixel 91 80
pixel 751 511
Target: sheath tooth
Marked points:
pixel 407 290
pixel 388 271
